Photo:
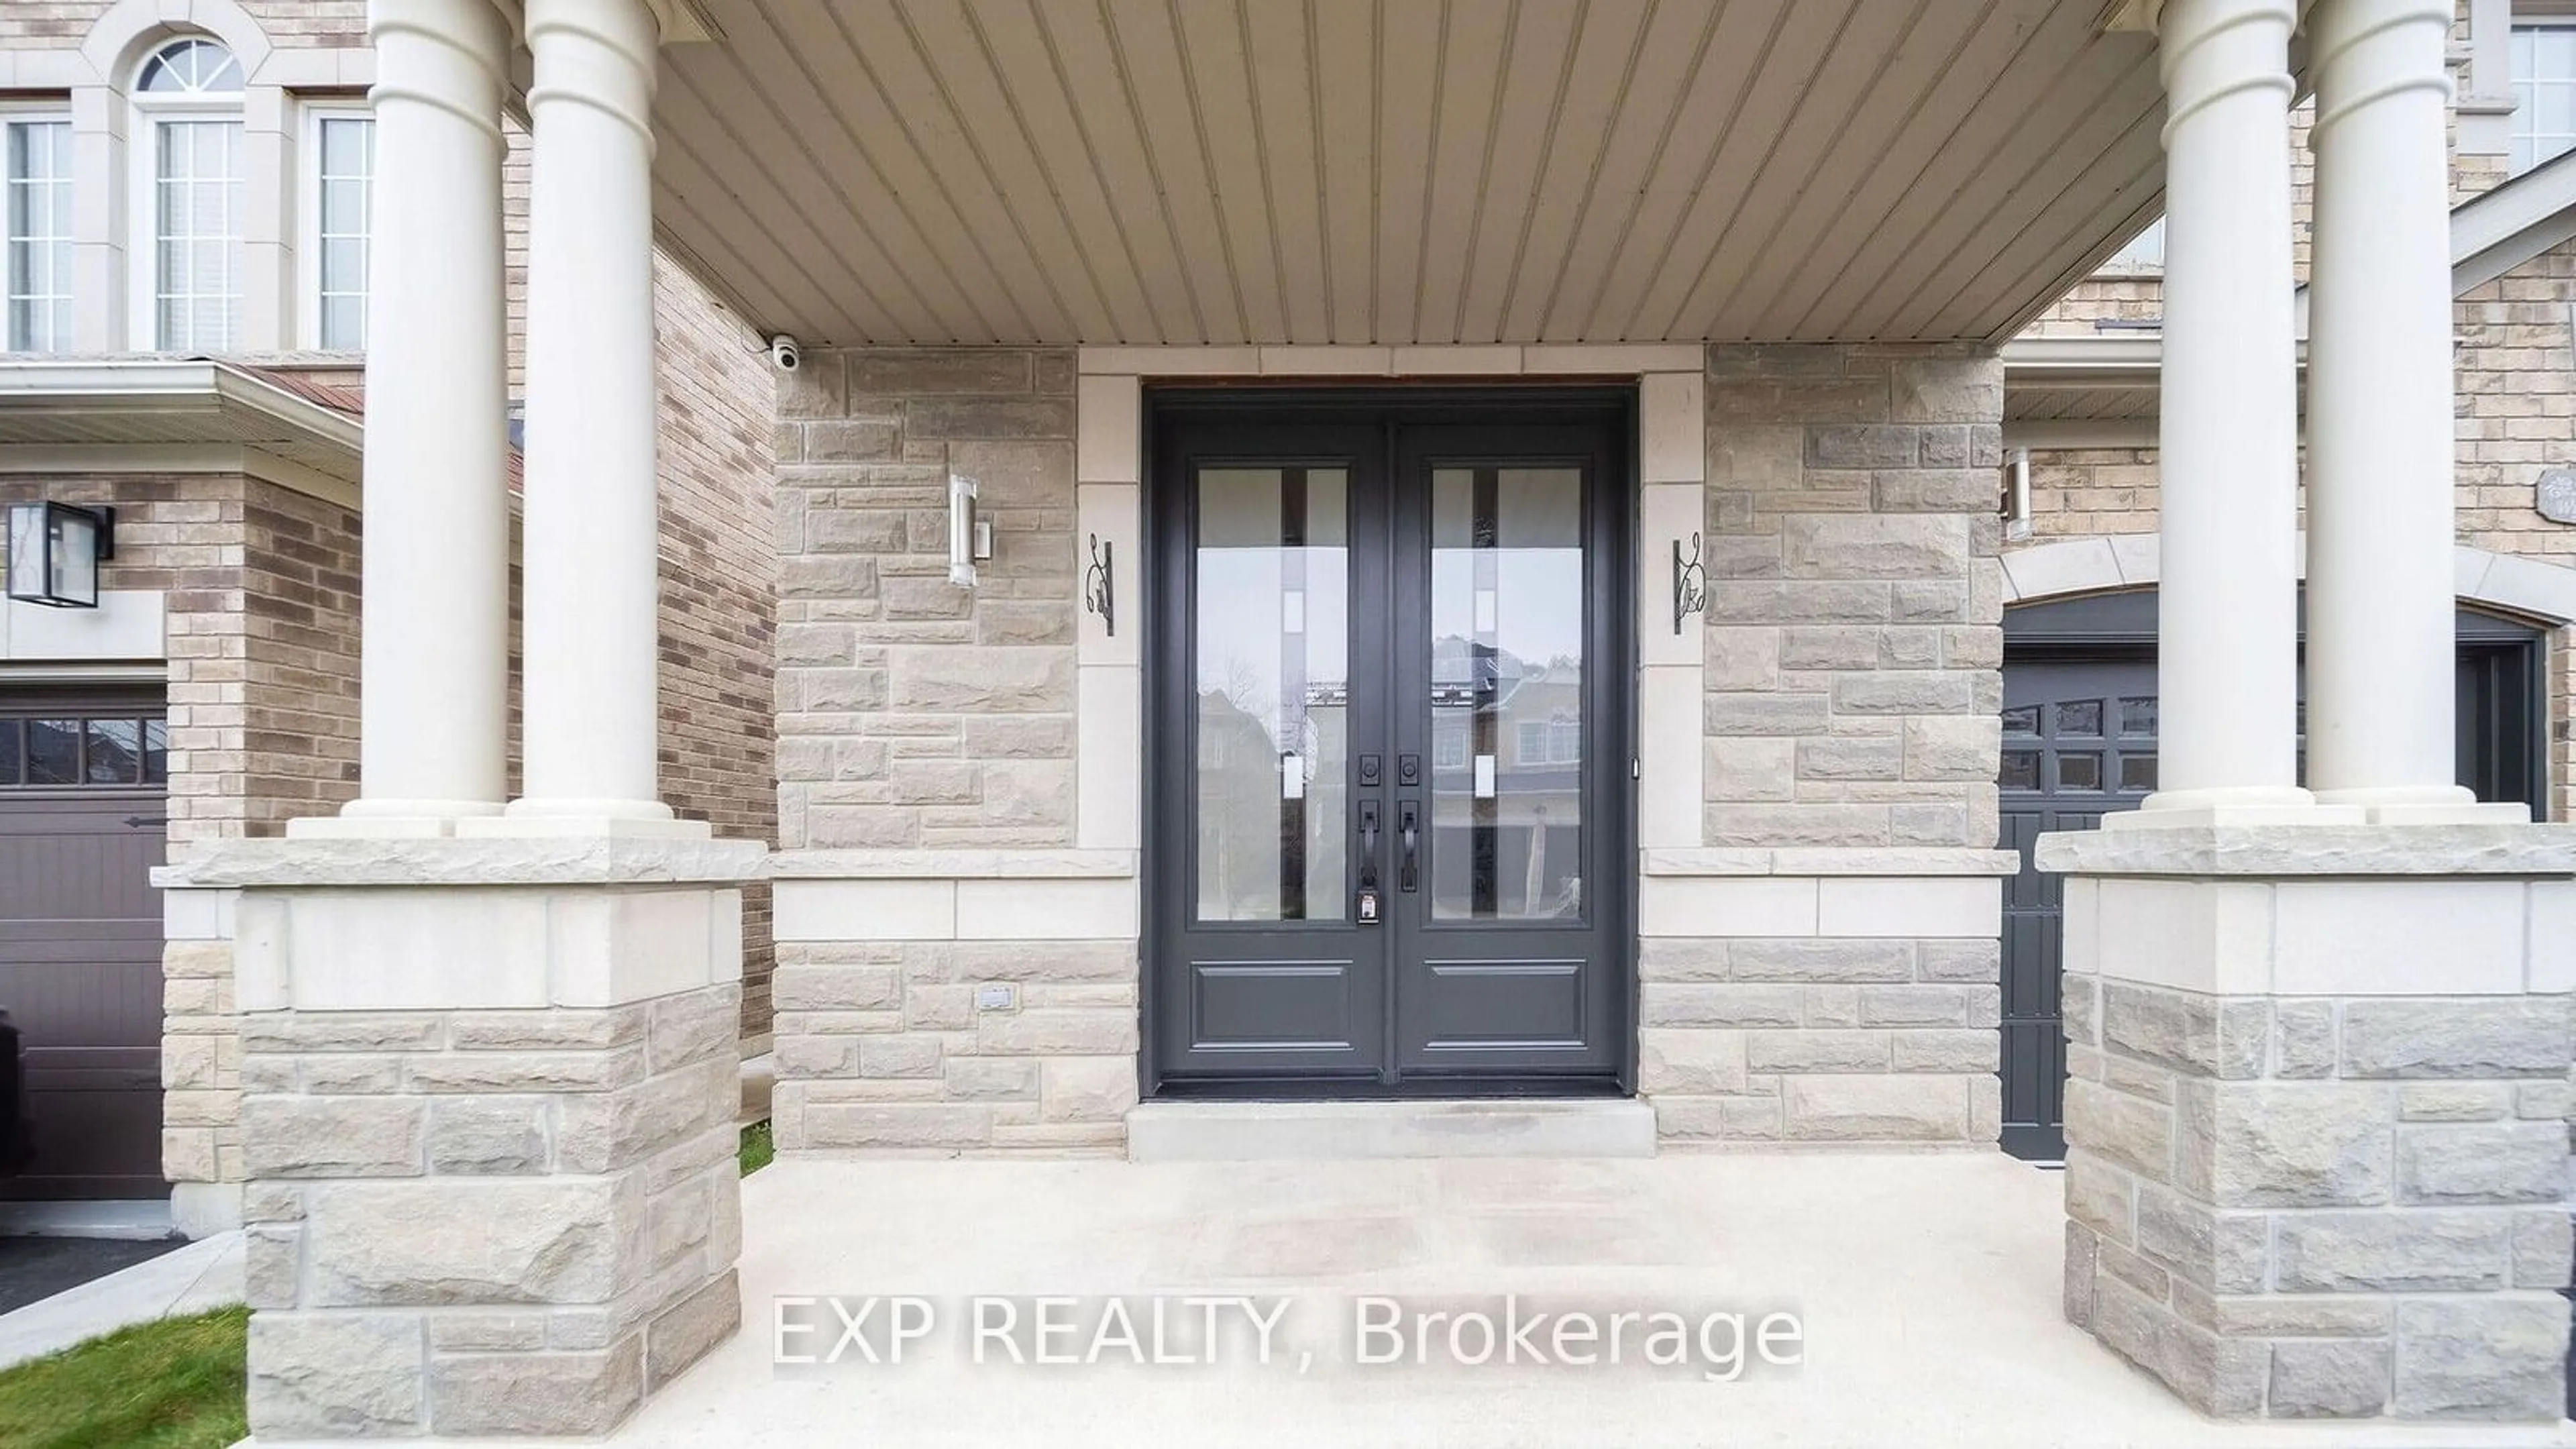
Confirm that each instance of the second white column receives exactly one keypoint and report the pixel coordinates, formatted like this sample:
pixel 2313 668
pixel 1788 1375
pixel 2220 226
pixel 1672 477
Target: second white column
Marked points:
pixel 2380 448
pixel 2228 440
pixel 591 588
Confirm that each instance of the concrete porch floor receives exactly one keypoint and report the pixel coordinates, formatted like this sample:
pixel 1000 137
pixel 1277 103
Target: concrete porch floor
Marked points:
pixel 1928 1285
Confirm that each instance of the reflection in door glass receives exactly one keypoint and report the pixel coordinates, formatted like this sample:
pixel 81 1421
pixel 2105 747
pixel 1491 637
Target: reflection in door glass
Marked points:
pixel 1507 726
pixel 1272 655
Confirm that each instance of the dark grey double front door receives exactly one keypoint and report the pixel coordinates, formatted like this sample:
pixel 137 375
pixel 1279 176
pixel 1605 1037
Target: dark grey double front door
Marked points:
pixel 1388 757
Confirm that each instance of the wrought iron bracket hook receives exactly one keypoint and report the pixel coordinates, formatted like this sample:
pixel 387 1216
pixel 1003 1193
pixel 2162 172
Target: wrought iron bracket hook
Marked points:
pixel 1099 583
pixel 1690 583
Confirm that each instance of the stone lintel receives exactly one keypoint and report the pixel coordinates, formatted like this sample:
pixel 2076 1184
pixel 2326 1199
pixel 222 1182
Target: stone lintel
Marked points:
pixel 953 864
pixel 1833 861
pixel 2314 850
pixel 488 861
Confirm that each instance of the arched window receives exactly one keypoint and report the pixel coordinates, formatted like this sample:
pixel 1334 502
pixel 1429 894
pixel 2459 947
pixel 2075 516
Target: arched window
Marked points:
pixel 191 68
pixel 189 261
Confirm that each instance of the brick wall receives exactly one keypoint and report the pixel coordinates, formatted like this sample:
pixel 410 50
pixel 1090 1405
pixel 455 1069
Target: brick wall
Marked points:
pixel 48 24
pixel 261 627
pixel 299 607
pixel 719 570
pixel 52 24
pixel 2091 492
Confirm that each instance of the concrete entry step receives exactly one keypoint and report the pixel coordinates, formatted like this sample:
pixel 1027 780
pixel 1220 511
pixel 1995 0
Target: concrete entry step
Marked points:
pixel 1257 1131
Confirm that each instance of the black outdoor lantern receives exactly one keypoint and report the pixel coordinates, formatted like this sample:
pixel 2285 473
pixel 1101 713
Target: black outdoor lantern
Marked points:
pixel 55 550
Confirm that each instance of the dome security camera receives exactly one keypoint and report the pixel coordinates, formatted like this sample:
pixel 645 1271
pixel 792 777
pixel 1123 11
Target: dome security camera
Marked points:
pixel 783 353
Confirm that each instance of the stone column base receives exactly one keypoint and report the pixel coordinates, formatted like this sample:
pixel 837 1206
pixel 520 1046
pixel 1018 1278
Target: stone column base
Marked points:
pixel 488 1123
pixel 2316 1114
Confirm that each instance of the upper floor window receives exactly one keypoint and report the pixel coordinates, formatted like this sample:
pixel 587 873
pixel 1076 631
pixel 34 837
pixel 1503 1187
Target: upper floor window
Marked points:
pixel 39 183
pixel 191 67
pixel 343 173
pixel 2544 93
pixel 189 103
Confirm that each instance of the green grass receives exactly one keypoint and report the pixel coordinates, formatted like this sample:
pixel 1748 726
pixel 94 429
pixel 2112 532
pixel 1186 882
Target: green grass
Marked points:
pixel 174 1384
pixel 757 1149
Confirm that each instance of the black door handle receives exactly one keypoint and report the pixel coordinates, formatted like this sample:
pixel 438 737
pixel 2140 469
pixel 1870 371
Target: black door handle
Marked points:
pixel 1368 844
pixel 1408 825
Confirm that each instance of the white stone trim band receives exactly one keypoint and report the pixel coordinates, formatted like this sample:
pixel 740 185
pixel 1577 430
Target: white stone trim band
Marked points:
pixel 2531 587
pixel 927 908
pixel 1831 907
pixel 376 948
pixel 2431 936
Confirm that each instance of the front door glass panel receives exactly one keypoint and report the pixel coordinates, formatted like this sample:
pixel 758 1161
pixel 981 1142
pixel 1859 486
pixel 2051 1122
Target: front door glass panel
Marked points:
pixel 1507 693
pixel 1272 664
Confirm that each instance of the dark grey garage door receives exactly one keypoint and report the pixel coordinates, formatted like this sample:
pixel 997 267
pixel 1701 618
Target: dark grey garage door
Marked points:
pixel 83 787
pixel 2080 741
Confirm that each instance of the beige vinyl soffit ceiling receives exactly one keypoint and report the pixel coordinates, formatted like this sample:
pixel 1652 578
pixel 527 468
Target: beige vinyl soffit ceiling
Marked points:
pixel 1403 171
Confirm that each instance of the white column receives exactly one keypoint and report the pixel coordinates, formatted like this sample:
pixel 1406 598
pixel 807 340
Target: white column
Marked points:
pixel 434 637
pixel 590 609
pixel 2380 465
pixel 2228 442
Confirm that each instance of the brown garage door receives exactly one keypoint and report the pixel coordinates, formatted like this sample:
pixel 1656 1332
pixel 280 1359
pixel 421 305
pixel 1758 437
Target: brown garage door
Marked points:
pixel 83 788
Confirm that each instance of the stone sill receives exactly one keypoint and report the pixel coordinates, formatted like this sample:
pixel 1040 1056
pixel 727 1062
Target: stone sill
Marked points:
pixel 1833 861
pixel 1061 864
pixel 481 861
pixel 2313 850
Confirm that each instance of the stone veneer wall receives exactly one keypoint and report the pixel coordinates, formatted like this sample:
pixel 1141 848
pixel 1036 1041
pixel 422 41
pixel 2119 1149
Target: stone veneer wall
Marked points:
pixel 1826 969
pixel 488 1126
pixel 913 714
pixel 486 1222
pixel 1854 618
pixel 1820 960
pixel 2289 1197
pixel 926 732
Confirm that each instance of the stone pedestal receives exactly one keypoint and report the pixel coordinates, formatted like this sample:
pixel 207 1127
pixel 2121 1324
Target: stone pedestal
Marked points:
pixel 488 1127
pixel 2316 1113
